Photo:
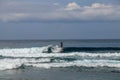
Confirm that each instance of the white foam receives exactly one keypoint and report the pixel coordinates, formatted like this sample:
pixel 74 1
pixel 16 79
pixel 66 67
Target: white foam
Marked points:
pixel 88 59
pixel 15 63
pixel 45 63
pixel 79 63
pixel 37 52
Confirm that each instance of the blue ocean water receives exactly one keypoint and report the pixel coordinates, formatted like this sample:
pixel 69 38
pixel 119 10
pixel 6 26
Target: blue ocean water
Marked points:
pixel 102 55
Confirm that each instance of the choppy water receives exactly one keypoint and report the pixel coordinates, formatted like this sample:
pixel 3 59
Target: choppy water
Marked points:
pixel 99 54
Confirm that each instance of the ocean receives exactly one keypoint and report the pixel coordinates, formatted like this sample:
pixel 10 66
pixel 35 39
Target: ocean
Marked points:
pixel 79 60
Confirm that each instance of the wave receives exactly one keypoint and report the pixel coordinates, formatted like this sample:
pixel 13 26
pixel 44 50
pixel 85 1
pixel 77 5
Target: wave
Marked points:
pixel 65 50
pixel 81 63
pixel 34 57
pixel 16 63
pixel 74 54
pixel 87 49
pixel 45 63
pixel 38 52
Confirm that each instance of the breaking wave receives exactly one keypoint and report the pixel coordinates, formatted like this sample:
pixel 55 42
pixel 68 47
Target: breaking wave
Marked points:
pixel 80 57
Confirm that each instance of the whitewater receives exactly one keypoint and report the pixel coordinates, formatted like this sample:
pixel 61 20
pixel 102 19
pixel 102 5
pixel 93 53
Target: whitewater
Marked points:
pixel 15 58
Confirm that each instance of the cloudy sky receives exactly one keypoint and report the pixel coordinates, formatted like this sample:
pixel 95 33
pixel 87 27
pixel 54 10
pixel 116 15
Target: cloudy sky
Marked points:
pixel 59 19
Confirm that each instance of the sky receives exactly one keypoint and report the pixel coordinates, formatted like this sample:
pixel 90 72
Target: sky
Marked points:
pixel 59 19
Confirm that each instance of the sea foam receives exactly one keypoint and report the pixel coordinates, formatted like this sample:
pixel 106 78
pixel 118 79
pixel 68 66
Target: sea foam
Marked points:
pixel 34 57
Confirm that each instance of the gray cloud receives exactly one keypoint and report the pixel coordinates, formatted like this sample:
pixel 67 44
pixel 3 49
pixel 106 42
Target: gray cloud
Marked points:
pixel 14 11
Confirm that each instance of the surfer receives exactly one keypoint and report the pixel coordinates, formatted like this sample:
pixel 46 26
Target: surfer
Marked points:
pixel 49 49
pixel 61 44
pixel 61 47
pixel 54 49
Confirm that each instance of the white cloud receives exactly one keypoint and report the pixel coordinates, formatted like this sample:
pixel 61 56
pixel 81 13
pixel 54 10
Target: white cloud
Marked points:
pixel 72 6
pixel 98 5
pixel 71 12
pixel 99 11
